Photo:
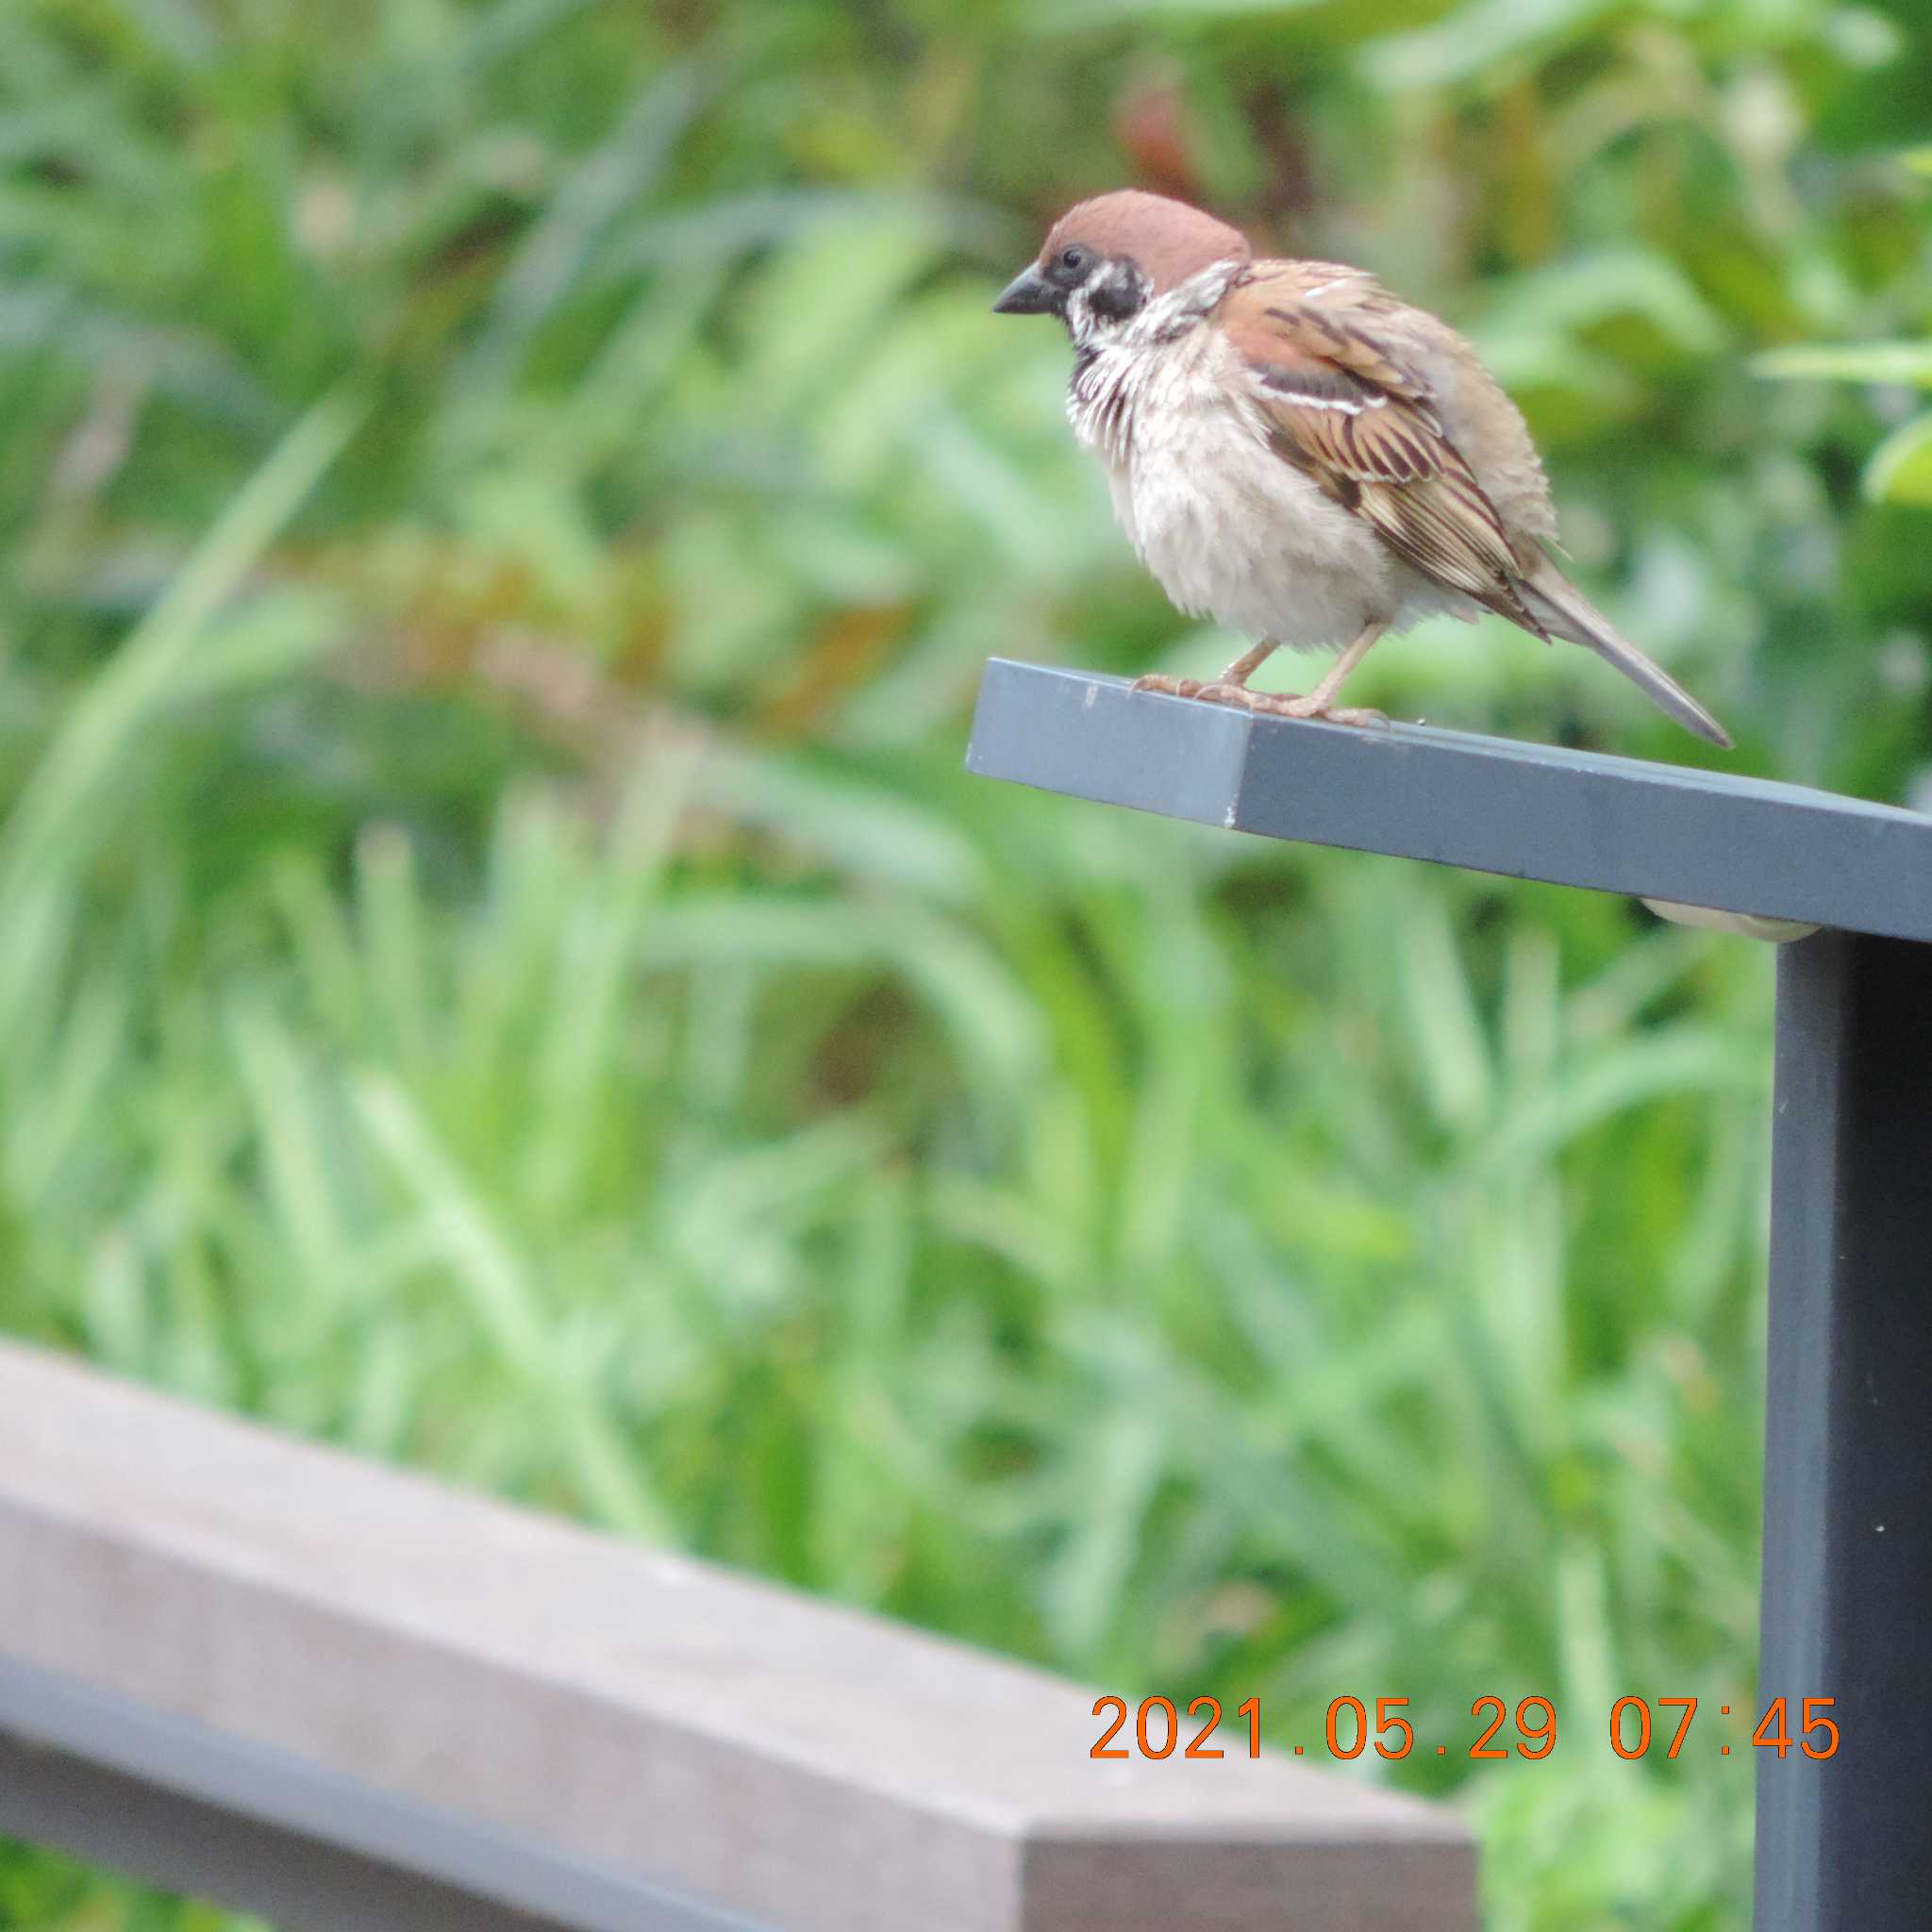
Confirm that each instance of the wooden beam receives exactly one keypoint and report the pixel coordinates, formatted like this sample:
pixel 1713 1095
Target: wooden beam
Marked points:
pixel 723 1742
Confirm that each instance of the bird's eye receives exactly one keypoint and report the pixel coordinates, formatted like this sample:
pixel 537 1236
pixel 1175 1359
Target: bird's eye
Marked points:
pixel 1074 258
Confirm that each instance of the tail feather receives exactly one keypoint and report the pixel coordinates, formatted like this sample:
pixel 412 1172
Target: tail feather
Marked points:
pixel 1566 612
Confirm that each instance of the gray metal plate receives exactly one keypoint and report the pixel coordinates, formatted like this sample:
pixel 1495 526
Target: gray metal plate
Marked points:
pixel 1531 811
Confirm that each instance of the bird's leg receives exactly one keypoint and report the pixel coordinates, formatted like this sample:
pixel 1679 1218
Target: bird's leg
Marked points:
pixel 1320 703
pixel 1234 678
pixel 1232 686
pixel 1244 667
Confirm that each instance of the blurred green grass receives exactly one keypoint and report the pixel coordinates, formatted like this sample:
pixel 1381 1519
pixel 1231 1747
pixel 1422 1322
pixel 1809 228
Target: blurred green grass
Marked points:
pixel 504 506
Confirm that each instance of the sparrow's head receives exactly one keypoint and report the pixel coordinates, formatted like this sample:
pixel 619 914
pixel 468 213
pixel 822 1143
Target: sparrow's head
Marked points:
pixel 1107 259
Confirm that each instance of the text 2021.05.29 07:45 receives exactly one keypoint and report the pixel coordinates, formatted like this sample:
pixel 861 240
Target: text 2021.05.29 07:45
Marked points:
pixel 1159 1727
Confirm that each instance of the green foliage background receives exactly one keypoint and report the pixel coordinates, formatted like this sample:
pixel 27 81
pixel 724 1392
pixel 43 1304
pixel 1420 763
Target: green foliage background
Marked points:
pixel 503 509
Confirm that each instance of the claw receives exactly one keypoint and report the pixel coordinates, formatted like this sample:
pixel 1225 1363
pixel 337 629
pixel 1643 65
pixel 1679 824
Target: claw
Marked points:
pixel 1223 692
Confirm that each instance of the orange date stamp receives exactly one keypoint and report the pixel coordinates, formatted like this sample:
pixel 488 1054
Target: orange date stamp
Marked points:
pixel 1160 1728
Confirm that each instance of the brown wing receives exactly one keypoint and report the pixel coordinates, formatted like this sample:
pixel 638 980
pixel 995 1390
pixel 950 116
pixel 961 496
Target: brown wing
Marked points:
pixel 1342 405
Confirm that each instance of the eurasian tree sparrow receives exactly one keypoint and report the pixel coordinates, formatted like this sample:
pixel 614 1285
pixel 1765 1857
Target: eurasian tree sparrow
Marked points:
pixel 1299 456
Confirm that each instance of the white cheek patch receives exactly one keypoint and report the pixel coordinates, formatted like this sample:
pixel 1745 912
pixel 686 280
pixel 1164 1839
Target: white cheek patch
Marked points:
pixel 1105 308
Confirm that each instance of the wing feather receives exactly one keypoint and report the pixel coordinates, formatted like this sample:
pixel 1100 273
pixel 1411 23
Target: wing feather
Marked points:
pixel 1341 404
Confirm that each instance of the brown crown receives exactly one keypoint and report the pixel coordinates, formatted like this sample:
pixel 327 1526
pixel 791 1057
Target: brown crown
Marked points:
pixel 1167 240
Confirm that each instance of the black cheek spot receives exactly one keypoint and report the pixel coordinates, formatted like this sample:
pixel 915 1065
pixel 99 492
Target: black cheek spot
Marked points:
pixel 1118 294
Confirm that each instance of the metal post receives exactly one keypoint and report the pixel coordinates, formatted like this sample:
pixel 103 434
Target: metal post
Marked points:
pixel 1844 1842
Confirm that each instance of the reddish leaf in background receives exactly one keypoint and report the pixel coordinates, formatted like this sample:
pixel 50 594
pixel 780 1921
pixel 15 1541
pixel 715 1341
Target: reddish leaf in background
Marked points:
pixel 1149 126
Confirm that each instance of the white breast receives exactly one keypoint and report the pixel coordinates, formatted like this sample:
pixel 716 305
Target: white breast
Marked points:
pixel 1230 529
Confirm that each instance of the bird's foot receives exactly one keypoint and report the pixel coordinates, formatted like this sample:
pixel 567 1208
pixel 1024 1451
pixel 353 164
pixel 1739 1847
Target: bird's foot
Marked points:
pixel 1277 705
pixel 1284 705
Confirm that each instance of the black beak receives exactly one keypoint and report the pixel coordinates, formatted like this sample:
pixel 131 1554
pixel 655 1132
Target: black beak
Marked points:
pixel 1028 293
